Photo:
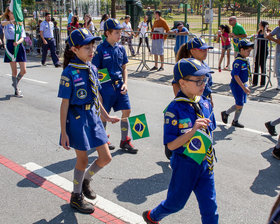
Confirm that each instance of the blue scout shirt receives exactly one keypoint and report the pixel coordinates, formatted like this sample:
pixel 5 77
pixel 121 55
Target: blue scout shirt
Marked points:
pixel 9 32
pixel 112 58
pixel 240 67
pixel 180 116
pixel 207 90
pixel 75 84
pixel 180 39
pixel 47 28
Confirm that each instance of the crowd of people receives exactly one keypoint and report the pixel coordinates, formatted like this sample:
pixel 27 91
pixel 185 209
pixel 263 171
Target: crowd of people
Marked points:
pixel 87 100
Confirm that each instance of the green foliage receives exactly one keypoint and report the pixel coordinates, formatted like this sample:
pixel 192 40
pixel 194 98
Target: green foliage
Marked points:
pixel 26 3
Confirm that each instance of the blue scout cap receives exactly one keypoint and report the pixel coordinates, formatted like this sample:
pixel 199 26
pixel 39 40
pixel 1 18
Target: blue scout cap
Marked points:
pixel 198 43
pixel 112 24
pixel 245 43
pixel 81 37
pixel 189 66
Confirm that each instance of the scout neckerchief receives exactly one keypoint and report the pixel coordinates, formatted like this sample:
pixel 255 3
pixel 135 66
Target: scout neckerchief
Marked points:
pixel 199 114
pixel 248 66
pixel 93 84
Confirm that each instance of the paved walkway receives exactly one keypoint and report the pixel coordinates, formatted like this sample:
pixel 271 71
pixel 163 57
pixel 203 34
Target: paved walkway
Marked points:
pixel 221 82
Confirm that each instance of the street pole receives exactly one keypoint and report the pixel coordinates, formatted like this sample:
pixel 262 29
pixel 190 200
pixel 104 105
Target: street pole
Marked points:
pixel 211 21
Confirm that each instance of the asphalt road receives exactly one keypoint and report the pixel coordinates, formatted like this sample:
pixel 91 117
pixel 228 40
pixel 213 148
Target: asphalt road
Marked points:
pixel 247 176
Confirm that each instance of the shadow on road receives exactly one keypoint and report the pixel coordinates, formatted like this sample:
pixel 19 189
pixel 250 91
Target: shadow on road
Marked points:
pixel 66 216
pixel 268 180
pixel 7 97
pixel 136 190
pixel 223 133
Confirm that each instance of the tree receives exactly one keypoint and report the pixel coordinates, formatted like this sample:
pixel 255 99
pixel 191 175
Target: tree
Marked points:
pixel 113 9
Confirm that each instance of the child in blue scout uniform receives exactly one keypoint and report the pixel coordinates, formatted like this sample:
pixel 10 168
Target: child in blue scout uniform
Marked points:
pixel 9 31
pixel 240 74
pixel 81 126
pixel 111 55
pixel 186 114
pixel 195 48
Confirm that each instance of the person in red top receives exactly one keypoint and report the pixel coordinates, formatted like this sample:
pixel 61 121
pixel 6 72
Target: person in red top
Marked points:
pixel 74 24
pixel 160 25
pixel 223 34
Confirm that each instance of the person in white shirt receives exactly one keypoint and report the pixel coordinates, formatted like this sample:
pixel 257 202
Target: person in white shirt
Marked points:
pixel 89 24
pixel 127 34
pixel 143 28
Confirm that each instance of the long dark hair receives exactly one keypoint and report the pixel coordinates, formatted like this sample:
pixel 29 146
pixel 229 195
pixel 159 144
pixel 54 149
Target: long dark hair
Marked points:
pixel 68 55
pixel 183 52
pixel 75 20
pixel 104 16
pixel 264 24
pixel 87 23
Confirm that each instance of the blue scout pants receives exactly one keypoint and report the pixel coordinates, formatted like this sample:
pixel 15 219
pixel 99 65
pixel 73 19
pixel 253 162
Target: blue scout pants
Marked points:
pixel 51 46
pixel 188 176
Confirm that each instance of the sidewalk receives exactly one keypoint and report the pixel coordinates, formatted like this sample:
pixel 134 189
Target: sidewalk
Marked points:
pixel 221 81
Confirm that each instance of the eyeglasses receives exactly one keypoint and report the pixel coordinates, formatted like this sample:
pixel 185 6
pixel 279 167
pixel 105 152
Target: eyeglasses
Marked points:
pixel 198 82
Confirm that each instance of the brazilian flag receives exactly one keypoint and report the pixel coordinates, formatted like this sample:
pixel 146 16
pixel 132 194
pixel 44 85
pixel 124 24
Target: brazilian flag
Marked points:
pixel 103 75
pixel 138 126
pixel 196 148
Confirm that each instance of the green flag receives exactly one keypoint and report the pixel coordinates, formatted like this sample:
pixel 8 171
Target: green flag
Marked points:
pixel 138 126
pixel 15 8
pixel 196 148
pixel 103 75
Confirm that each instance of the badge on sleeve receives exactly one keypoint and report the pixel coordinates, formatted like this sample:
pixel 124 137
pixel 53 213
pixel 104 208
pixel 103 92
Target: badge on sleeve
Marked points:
pixel 174 122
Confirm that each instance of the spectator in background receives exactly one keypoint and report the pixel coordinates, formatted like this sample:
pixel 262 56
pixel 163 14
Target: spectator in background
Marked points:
pixel 143 28
pixel 102 21
pixel 238 33
pixel 270 36
pixel 46 33
pixel 160 25
pixel 1 37
pixel 74 24
pixel 38 40
pixel 35 14
pixel 76 11
pixel 223 34
pixel 181 33
pixel 150 14
pixel 127 34
pixel 56 34
pixel 262 53
pixel 69 20
pixel 89 24
pixel 28 43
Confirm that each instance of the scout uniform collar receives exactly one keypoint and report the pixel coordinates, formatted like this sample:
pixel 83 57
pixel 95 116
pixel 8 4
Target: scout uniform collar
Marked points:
pixel 239 57
pixel 182 97
pixel 78 63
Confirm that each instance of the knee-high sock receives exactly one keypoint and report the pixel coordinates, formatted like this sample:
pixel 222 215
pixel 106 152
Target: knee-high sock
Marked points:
pixel 124 130
pixel 19 76
pixel 92 170
pixel 237 114
pixel 231 109
pixel 14 80
pixel 78 180
pixel 275 122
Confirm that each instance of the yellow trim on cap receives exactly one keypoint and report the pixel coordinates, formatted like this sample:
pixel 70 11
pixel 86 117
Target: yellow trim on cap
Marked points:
pixel 81 33
pixel 71 39
pixel 193 65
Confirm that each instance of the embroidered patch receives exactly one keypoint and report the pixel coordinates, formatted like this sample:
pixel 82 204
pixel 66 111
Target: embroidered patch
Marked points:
pixel 167 121
pixel 169 114
pixel 236 65
pixel 81 93
pixel 78 79
pixel 67 84
pixel 65 78
pixel 79 84
pixel 174 122
pixel 185 123
pixel 206 105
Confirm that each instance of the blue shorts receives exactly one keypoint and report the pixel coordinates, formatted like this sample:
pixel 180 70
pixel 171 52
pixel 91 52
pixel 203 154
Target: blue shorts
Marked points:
pixel 21 56
pixel 112 97
pixel 227 47
pixel 86 132
pixel 239 95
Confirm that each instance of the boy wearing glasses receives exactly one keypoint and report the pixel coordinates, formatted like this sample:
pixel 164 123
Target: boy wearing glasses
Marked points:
pixel 240 74
pixel 186 115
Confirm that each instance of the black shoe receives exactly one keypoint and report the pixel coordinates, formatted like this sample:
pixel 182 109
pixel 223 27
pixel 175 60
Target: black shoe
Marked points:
pixel 110 145
pixel 154 68
pixel 18 93
pixel 87 191
pixel 236 124
pixel 44 64
pixel 147 218
pixel 276 153
pixel 127 146
pixel 57 65
pixel 77 201
pixel 224 117
pixel 270 128
pixel 161 69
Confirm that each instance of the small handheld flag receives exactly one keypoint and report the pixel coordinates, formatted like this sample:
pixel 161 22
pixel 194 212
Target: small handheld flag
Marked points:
pixel 138 126
pixel 103 75
pixel 196 148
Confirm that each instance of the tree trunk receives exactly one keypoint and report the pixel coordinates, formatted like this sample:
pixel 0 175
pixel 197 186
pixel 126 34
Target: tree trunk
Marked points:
pixel 113 9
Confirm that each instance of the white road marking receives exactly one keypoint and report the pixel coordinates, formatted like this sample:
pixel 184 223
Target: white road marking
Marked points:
pixel 245 129
pixel 32 80
pixel 100 202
